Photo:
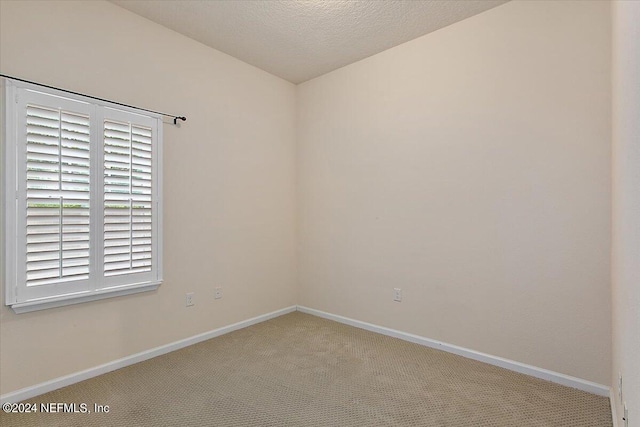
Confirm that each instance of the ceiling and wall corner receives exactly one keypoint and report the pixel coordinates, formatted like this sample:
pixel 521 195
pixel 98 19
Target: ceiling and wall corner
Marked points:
pixel 300 40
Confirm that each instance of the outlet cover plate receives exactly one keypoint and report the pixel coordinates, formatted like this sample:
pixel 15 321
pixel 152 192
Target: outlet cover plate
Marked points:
pixel 189 299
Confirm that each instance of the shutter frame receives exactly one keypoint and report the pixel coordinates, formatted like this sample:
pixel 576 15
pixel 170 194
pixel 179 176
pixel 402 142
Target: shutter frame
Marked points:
pixel 117 260
pixel 32 282
pixel 21 298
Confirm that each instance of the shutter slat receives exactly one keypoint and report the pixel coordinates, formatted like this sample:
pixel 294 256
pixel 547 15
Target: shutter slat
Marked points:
pixel 42 112
pixel 117 242
pixel 58 280
pixel 36 121
pixel 53 263
pixel 43 274
pixel 108 235
pixel 116 166
pixel 33 248
pixel 78 253
pixel 116 258
pixel 75 119
pixel 79 272
pixel 126 270
pixel 138 145
pixel 43 256
pixel 113 250
pixel 75 262
pixel 117 265
pixel 55 195
pixel 43 149
pixel 42 229
pixel 116 180
pixel 43 135
pixel 141 241
pixel 43 238
pixel 73 155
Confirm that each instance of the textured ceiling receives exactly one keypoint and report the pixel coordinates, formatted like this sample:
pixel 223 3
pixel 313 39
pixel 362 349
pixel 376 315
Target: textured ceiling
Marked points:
pixel 300 40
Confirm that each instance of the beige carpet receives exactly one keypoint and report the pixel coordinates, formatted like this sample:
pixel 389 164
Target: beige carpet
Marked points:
pixel 300 370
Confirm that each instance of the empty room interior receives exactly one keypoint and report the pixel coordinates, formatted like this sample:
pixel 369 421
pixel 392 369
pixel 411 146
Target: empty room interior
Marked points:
pixel 320 213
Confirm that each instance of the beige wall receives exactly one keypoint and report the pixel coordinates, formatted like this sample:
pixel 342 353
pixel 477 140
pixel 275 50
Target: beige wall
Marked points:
pixel 471 168
pixel 228 183
pixel 626 207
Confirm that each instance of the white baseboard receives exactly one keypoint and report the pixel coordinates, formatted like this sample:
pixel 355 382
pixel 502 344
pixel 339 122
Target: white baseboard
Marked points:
pixel 614 410
pixel 512 365
pixel 38 389
pixel 580 384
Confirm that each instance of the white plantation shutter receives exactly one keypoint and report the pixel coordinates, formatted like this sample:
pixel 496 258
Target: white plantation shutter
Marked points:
pixel 54 198
pixel 129 220
pixel 58 195
pixel 82 189
pixel 128 194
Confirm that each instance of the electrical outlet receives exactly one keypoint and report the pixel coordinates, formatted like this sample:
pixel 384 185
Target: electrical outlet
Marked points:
pixel 620 386
pixel 189 299
pixel 397 294
pixel 217 293
pixel 625 416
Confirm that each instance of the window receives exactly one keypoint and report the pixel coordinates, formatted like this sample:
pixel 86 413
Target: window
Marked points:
pixel 82 210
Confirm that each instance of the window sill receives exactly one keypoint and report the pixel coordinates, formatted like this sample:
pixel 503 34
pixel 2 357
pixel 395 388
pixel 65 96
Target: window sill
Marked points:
pixel 45 303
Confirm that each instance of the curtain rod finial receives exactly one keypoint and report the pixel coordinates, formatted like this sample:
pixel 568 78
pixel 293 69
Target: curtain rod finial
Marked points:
pixel 176 118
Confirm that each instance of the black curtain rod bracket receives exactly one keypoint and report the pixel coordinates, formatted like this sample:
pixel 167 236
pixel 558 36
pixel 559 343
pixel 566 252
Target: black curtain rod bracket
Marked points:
pixel 175 118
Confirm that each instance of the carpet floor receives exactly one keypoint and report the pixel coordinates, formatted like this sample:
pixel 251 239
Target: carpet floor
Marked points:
pixel 301 370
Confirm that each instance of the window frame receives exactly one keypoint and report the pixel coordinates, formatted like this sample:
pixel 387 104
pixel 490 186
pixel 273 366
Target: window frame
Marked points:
pixel 99 286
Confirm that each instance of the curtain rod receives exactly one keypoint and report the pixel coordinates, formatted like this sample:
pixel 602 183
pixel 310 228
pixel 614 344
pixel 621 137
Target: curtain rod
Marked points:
pixel 175 118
